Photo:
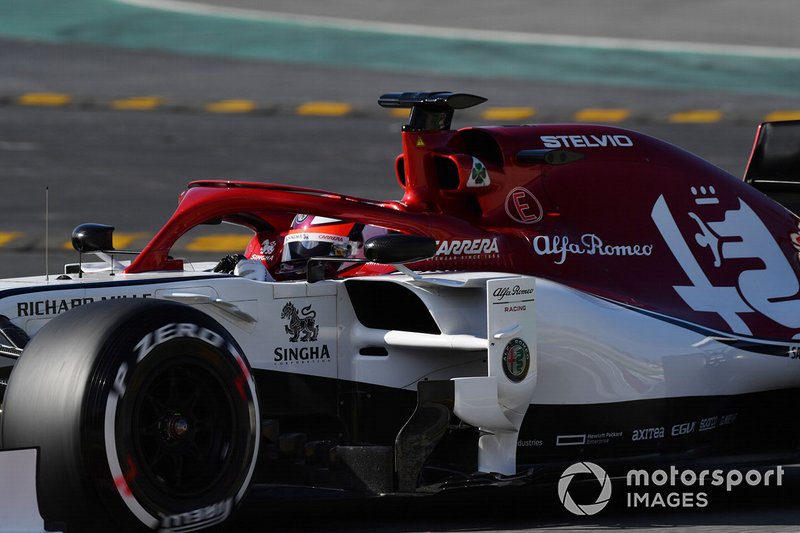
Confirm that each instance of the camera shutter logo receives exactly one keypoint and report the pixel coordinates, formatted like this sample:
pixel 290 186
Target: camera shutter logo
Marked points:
pixel 590 508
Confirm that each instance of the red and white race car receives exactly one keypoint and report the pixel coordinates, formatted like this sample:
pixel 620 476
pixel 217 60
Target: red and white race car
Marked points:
pixel 540 295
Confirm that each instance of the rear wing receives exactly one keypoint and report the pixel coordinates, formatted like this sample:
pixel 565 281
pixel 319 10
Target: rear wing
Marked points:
pixel 774 165
pixel 432 111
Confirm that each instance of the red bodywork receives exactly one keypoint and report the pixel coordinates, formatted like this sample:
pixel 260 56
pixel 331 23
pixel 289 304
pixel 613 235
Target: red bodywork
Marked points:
pixel 609 211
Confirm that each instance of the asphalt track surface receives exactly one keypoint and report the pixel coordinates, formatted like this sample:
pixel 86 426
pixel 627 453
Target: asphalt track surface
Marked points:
pixel 127 168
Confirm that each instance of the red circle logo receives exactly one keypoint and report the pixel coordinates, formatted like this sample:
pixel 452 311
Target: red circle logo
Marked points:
pixel 523 207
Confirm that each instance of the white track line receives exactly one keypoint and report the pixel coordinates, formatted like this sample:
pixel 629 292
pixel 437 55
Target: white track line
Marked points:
pixel 416 30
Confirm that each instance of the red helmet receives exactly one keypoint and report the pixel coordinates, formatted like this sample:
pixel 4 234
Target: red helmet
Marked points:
pixel 317 236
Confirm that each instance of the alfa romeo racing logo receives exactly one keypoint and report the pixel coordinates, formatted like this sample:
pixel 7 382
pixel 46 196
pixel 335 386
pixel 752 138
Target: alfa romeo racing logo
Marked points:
pixel 516 359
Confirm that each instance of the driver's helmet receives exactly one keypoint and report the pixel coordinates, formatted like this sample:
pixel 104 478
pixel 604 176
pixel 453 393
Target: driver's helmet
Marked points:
pixel 317 236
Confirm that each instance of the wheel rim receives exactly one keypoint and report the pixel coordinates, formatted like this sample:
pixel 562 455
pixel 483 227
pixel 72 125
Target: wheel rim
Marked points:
pixel 184 429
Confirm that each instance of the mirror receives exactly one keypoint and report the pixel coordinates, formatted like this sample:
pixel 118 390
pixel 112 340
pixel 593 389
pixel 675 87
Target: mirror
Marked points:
pixel 90 237
pixel 399 248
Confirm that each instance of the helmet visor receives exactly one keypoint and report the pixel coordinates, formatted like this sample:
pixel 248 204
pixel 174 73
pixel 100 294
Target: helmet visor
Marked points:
pixel 298 246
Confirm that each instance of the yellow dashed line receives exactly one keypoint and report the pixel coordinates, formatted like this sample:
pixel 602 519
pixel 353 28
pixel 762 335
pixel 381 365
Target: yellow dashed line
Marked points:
pixel 325 109
pixel 44 99
pixel 696 116
pixel 338 109
pixel 8 236
pixel 594 114
pixel 122 241
pixel 508 113
pixel 783 115
pixel 138 103
pixel 231 106
pixel 219 243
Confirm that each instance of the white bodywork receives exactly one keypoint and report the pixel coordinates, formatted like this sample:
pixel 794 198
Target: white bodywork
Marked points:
pixel 581 349
pixel 18 504
pixel 589 350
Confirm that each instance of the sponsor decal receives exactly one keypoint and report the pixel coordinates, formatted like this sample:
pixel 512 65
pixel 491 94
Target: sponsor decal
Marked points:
pixel 301 327
pixel 588 439
pixel 322 237
pixel 523 207
pixel 530 443
pixel 516 359
pixel 589 244
pixel 197 519
pixel 648 434
pixel 707 424
pixel 299 219
pixel 173 331
pixel 268 249
pixel 468 247
pixel 502 293
pixel 586 141
pixel 479 176
pixel 584 509
pixel 768 288
pixel 571 440
pixel 683 429
pixel 302 354
pixel 58 306
pixel 514 299
pixel 602 438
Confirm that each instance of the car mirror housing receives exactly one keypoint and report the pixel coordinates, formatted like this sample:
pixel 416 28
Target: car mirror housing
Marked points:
pixel 397 248
pixel 91 237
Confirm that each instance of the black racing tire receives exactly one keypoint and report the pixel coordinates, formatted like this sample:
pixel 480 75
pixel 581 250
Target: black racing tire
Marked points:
pixel 145 414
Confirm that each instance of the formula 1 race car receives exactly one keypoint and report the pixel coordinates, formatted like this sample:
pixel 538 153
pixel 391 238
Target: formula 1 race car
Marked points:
pixel 541 295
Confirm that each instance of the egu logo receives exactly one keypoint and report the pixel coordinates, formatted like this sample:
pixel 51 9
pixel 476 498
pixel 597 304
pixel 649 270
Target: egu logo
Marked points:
pixel 587 509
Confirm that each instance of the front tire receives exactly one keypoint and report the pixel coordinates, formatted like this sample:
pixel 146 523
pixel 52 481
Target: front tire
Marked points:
pixel 145 413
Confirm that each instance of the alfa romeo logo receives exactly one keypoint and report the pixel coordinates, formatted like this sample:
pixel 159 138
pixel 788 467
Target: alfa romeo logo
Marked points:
pixel 516 359
pixel 586 509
